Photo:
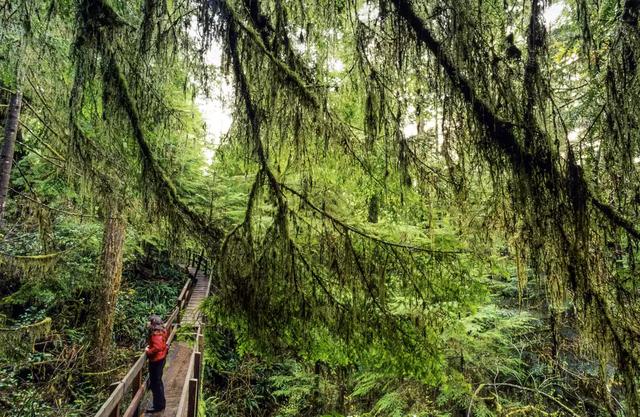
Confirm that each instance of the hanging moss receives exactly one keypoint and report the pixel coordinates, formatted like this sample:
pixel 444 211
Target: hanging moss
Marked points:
pixel 17 343
pixel 553 197
pixel 30 266
pixel 283 268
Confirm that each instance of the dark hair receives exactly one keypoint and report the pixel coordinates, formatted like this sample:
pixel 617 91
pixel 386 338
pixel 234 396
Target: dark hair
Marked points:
pixel 156 322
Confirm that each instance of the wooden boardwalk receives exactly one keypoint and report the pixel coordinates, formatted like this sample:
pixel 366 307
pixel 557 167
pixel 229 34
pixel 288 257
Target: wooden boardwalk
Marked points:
pixel 177 366
pixel 200 291
pixel 183 370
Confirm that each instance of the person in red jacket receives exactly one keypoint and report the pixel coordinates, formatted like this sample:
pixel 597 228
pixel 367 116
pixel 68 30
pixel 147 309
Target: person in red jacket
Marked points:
pixel 156 350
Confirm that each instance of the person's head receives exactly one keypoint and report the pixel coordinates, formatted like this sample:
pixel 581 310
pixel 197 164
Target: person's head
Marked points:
pixel 155 323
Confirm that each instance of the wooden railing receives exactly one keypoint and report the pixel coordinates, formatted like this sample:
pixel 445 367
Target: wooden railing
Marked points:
pixel 199 261
pixel 189 398
pixel 134 385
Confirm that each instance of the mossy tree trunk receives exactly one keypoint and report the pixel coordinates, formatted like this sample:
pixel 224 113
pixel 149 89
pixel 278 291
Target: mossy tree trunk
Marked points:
pixel 109 276
pixel 8 147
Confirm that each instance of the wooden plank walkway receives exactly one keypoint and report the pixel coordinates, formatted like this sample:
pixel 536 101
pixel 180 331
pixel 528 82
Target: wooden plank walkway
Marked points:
pixel 191 315
pixel 177 366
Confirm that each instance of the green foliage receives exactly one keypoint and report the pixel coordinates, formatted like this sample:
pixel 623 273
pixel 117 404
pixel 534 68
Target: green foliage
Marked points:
pixel 361 269
pixel 295 387
pixel 136 303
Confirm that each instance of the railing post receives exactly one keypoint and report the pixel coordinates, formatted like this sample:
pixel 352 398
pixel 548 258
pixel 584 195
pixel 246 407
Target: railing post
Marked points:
pixel 197 365
pixel 192 406
pixel 197 375
pixel 200 341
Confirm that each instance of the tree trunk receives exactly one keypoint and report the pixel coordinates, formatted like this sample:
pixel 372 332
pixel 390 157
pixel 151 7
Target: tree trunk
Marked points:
pixel 109 275
pixel 374 208
pixel 8 147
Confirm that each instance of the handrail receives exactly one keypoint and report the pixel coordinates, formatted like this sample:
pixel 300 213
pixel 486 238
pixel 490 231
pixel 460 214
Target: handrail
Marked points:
pixel 185 387
pixel 133 380
pixel 188 405
pixel 185 288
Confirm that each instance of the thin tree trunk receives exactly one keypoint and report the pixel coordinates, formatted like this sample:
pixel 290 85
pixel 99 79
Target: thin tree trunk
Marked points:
pixel 8 147
pixel 109 275
pixel 374 208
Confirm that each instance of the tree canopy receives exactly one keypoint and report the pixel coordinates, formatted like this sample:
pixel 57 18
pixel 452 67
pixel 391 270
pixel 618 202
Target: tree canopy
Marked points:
pixel 417 202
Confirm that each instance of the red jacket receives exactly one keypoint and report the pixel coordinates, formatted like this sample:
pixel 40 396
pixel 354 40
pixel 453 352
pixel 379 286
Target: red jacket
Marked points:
pixel 158 348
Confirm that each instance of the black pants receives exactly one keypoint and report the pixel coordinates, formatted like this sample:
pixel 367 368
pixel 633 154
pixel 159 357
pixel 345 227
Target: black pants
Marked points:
pixel 155 382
